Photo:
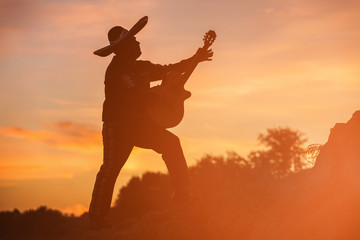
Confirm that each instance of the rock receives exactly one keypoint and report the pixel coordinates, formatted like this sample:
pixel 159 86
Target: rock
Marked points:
pixel 325 204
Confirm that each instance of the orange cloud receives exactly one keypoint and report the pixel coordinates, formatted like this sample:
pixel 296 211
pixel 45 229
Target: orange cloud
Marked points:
pixel 11 173
pixel 63 135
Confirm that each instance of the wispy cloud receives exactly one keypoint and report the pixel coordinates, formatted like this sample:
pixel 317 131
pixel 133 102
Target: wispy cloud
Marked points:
pixel 63 135
pixel 56 27
pixel 15 172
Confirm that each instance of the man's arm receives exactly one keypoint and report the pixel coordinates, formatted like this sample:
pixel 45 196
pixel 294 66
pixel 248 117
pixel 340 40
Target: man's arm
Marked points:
pixel 200 56
pixel 158 71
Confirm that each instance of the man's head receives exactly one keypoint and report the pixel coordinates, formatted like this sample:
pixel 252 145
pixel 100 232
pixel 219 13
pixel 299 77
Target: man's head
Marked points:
pixel 130 49
pixel 123 42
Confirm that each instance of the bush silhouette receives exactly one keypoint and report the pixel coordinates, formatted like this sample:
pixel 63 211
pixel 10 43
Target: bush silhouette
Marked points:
pixel 151 192
pixel 284 153
pixel 233 197
pixel 230 192
pixel 42 223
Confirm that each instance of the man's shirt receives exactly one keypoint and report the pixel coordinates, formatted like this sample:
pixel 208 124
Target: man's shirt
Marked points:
pixel 127 87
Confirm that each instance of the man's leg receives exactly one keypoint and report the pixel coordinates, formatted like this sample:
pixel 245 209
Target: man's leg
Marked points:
pixel 174 159
pixel 117 148
pixel 152 136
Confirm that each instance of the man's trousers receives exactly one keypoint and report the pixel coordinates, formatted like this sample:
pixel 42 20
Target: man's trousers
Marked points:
pixel 119 140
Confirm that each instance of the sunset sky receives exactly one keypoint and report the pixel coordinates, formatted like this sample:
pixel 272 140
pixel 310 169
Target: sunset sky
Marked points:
pixel 289 63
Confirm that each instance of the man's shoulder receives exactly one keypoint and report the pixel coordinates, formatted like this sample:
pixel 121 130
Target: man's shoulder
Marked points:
pixel 147 66
pixel 144 63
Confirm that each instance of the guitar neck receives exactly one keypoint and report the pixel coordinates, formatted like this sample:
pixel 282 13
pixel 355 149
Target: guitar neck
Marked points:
pixel 208 40
pixel 189 70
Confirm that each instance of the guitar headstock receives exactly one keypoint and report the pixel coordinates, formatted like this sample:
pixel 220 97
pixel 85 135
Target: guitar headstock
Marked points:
pixel 209 38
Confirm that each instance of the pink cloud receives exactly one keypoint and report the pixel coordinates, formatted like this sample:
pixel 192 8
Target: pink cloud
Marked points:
pixel 58 27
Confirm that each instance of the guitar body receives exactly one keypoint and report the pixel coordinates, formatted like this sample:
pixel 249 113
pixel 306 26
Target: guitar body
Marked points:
pixel 168 109
pixel 167 99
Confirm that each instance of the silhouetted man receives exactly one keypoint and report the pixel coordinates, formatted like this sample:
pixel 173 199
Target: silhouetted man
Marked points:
pixel 125 122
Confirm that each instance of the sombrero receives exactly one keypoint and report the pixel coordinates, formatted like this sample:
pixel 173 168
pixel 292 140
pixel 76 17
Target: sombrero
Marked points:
pixel 117 36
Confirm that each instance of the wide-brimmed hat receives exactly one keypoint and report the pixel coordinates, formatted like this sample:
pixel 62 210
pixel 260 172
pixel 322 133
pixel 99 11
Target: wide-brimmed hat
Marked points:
pixel 117 36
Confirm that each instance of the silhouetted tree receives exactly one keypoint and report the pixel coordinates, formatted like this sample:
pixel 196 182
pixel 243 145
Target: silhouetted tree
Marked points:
pixel 227 194
pixel 151 192
pixel 42 223
pixel 230 193
pixel 284 151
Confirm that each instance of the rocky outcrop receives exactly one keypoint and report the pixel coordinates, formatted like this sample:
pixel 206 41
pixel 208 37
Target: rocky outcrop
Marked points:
pixel 324 201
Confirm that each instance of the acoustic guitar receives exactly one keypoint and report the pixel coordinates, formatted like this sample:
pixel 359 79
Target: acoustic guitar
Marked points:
pixel 168 111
